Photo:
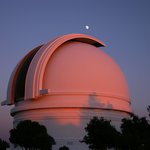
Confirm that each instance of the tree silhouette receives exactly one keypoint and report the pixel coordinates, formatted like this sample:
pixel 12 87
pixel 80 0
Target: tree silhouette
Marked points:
pixel 100 134
pixel 135 133
pixel 31 135
pixel 3 145
pixel 148 109
pixel 64 148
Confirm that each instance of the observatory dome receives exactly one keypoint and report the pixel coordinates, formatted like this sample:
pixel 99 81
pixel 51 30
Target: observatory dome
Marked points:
pixel 65 83
pixel 73 66
pixel 78 68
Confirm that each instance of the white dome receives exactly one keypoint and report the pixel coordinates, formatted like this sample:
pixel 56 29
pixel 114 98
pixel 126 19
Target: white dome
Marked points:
pixel 66 82
pixel 78 68
pixel 70 65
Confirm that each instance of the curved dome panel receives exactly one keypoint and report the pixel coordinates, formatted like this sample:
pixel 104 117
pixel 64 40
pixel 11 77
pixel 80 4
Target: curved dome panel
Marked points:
pixel 34 79
pixel 78 69
pixel 16 85
pixel 84 68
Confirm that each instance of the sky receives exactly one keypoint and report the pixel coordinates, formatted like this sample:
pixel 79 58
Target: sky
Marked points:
pixel 123 25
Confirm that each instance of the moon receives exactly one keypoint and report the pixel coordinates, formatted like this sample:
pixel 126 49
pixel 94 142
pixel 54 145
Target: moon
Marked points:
pixel 87 27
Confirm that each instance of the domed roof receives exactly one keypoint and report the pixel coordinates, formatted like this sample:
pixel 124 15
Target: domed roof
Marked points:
pixel 80 67
pixel 70 65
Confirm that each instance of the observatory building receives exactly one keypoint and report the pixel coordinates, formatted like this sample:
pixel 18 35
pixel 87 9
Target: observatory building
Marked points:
pixel 64 83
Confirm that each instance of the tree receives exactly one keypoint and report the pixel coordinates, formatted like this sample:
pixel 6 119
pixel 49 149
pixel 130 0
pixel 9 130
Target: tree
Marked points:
pixel 64 148
pixel 31 135
pixel 135 133
pixel 100 134
pixel 3 145
pixel 148 109
pixel 44 142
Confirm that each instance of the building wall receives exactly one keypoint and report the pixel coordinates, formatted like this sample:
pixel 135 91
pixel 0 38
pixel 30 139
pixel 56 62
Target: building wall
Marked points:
pixel 66 125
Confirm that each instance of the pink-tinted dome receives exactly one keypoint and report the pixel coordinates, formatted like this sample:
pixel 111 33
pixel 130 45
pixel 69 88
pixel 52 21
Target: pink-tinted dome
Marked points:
pixel 77 68
pixel 65 83
pixel 72 66
pixel 80 67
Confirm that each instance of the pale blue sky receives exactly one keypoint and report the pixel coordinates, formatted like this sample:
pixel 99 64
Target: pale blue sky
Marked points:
pixel 124 25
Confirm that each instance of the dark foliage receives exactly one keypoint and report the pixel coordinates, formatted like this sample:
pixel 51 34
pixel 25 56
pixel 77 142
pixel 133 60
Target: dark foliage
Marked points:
pixel 135 133
pixel 148 109
pixel 3 145
pixel 101 134
pixel 64 148
pixel 31 135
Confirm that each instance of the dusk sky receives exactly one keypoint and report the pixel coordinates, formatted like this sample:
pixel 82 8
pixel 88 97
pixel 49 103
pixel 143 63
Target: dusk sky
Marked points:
pixel 123 25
